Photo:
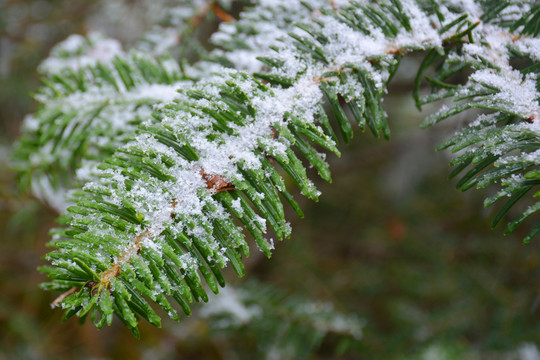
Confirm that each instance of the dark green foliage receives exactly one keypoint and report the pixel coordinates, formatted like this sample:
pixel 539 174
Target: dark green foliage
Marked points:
pixel 496 148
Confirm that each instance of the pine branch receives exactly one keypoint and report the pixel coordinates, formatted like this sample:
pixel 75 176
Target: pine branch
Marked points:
pixel 160 215
pixel 502 146
pixel 89 108
pixel 261 27
pixel 91 80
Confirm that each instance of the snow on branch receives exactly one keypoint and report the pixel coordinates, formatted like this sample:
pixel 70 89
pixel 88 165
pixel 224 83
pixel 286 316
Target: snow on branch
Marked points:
pixel 160 216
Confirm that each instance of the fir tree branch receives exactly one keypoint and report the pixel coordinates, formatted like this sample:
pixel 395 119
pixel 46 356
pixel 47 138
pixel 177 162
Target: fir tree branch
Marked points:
pixel 160 215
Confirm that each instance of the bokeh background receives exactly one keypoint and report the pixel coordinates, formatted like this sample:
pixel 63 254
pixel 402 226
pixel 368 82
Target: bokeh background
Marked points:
pixel 391 241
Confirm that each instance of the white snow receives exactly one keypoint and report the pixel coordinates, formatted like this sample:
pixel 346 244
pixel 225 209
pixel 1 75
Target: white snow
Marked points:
pixel 78 52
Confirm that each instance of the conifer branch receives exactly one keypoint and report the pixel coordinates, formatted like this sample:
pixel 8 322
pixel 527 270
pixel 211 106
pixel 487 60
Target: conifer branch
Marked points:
pixel 157 219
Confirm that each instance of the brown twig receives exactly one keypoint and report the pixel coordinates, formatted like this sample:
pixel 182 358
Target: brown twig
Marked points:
pixel 61 298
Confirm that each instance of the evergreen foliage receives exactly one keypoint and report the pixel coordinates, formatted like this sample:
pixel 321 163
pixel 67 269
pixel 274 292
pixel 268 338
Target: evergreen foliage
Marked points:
pixel 90 109
pixel 157 217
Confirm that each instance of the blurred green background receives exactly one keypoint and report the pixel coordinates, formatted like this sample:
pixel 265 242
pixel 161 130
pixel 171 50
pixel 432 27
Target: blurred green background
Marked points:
pixel 391 240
